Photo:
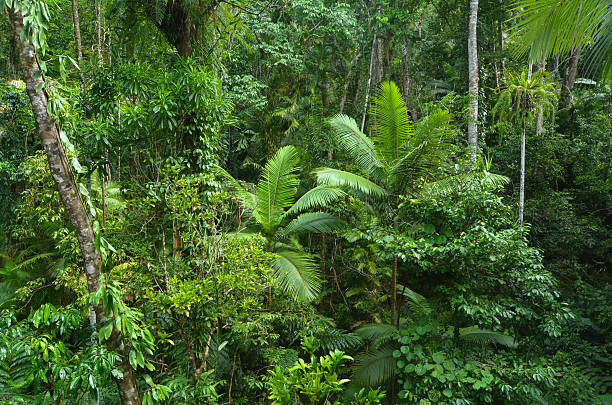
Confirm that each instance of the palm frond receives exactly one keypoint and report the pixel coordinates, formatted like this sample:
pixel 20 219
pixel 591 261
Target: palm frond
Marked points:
pixel 339 178
pixel 392 128
pixel 476 335
pixel 416 301
pixel 426 151
pixel 248 199
pixel 297 274
pixel 277 187
pixel 375 367
pixel 320 196
pixel 377 331
pixel 356 144
pixel 543 28
pixel 320 222
pixel 336 339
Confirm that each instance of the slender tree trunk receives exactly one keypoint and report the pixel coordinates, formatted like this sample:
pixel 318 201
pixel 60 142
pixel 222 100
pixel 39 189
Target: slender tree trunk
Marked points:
pixel 62 175
pixel 367 95
pixel 77 40
pixel 99 31
pixel 394 292
pixel 569 77
pixel 522 179
pixel 473 79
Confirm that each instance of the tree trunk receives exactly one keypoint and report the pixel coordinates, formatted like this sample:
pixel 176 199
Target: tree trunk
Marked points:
pixel 61 173
pixel 394 293
pixel 99 31
pixel 569 77
pixel 176 26
pixel 367 95
pixel 77 40
pixel 473 79
pixel 406 87
pixel 522 179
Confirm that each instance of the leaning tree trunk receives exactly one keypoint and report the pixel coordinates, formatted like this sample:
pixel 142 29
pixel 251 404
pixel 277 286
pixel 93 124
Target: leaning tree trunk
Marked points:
pixel 79 47
pixel 61 173
pixel 522 179
pixel 473 79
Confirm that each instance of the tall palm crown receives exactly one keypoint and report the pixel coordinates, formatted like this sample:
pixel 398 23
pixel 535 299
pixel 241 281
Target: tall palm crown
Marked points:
pixel 399 152
pixel 524 97
pixel 282 219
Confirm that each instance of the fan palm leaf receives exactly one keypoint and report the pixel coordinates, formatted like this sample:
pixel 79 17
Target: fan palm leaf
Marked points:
pixel 298 274
pixel 319 196
pixel 356 144
pixel 277 188
pixel 339 178
pixel 375 367
pixel 320 222
pixel 482 336
pixel 427 150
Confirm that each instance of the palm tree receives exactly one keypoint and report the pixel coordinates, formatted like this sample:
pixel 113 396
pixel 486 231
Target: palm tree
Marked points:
pixel 522 100
pixel 282 219
pixel 394 159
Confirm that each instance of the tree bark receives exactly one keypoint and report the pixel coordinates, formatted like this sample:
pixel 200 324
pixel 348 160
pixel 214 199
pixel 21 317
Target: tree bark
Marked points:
pixel 99 31
pixel 368 86
pixel 473 79
pixel 394 319
pixel 565 100
pixel 62 175
pixel 79 47
pixel 522 179
pixel 176 26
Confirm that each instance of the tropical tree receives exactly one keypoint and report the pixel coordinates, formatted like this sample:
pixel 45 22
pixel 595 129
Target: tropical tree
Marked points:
pixel 282 219
pixel 523 99
pixel 394 159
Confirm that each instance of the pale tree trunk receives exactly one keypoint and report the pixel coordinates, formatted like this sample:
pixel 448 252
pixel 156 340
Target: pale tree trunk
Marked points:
pixel 569 77
pixel 367 94
pixel 77 40
pixel 71 201
pixel 522 179
pixel 99 31
pixel 473 79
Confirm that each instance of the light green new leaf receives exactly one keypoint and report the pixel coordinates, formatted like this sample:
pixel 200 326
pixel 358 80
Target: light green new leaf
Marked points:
pixel 277 187
pixel 392 129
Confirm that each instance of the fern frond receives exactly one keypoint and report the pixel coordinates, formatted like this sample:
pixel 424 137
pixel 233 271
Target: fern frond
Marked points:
pixel 416 301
